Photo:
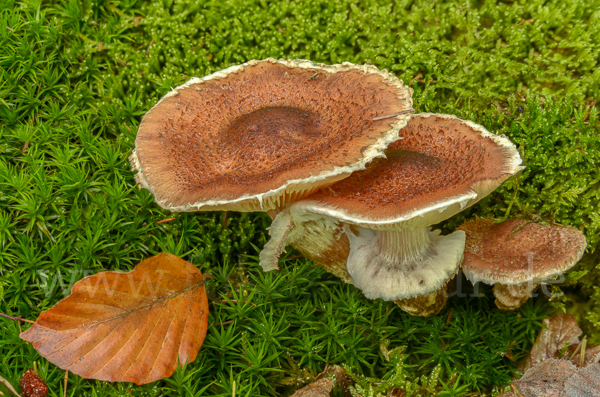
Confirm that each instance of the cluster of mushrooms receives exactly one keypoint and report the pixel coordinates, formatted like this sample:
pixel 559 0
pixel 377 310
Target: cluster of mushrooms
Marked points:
pixel 352 179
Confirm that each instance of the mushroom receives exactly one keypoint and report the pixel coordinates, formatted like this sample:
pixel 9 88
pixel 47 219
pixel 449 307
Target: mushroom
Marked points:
pixel 373 227
pixel 262 134
pixel 515 256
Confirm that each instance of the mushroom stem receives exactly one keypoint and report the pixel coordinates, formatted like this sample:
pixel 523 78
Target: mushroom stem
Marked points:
pixel 512 297
pixel 403 263
pixel 407 244
pixel 425 305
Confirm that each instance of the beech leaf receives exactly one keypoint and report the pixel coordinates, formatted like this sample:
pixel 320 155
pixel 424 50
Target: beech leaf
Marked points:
pixel 560 330
pixel 546 379
pixel 324 383
pixel 127 327
pixel 584 383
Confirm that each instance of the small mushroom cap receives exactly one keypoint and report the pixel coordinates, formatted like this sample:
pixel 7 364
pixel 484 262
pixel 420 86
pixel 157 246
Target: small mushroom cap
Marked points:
pixel 440 165
pixel 262 134
pixel 518 251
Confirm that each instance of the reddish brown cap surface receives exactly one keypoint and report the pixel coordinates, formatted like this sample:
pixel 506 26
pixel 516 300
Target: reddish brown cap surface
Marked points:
pixel 440 165
pixel 517 251
pixel 264 133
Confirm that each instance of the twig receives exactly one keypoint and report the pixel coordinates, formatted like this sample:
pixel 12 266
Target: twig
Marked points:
pixel 394 114
pixel 17 318
pixel 248 302
pixel 25 146
pixel 294 257
pixel 577 349
pixel 148 49
pixel 449 317
pixel 233 391
pixel 66 381
pixel 224 220
pixel 165 221
pixel 516 390
pixel 313 76
pixel 223 323
pixel 415 78
pixel 582 356
pixel 9 28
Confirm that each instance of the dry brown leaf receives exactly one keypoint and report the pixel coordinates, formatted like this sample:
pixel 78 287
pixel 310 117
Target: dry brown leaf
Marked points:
pixel 318 388
pixel 546 379
pixel 127 327
pixel 584 383
pixel 324 383
pixel 560 330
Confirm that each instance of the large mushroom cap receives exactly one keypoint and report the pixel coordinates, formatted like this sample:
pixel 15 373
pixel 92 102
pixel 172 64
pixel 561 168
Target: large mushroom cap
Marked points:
pixel 259 135
pixel 440 165
pixel 518 251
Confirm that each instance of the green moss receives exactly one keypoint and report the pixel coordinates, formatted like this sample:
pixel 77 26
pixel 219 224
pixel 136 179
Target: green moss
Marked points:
pixel 76 77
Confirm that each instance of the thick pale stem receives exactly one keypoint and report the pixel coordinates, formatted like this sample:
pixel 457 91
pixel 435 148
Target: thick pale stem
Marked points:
pixel 403 246
pixel 402 264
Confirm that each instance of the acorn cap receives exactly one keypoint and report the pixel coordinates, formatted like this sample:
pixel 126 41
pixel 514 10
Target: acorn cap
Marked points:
pixel 259 135
pixel 440 165
pixel 518 251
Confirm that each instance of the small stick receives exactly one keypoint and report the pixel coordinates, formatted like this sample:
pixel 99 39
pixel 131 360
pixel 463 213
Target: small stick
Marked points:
pixel 35 368
pixel 223 323
pixel 248 302
pixel 233 391
pixel 577 349
pixel 225 220
pixel 394 114
pixel 66 381
pixel 417 77
pixel 17 318
pixel 516 391
pixel 582 356
pixel 313 76
pixel 449 317
pixel 9 28
pixel 165 221
pixel 294 257
pixel 25 146
pixel 148 49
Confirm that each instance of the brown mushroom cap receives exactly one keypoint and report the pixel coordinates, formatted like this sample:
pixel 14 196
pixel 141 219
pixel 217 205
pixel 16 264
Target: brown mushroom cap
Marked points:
pixel 518 251
pixel 440 165
pixel 259 135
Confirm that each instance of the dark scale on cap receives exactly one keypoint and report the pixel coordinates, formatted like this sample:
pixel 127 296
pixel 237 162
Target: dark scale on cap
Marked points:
pixel 253 130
